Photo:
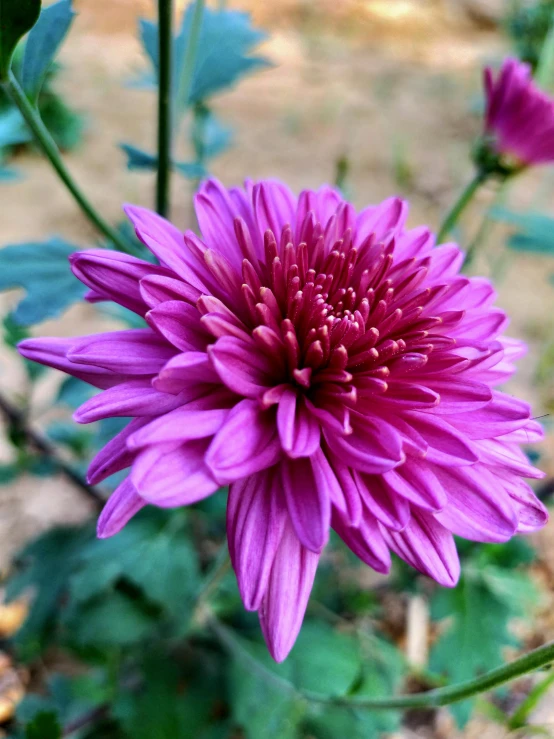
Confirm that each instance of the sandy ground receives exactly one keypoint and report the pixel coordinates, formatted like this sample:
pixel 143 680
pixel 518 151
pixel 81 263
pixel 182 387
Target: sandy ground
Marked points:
pixel 389 85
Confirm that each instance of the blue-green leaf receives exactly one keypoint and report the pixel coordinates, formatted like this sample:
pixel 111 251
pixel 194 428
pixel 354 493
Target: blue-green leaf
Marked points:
pixel 42 45
pixel 535 231
pixel 9 174
pixel 43 270
pixel 138 159
pixel 217 137
pixel 142 160
pixel 17 17
pixel 13 129
pixel 227 39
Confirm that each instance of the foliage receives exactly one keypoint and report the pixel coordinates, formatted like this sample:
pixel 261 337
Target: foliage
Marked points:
pixel 50 286
pixel 478 615
pixel 528 25
pixel 16 19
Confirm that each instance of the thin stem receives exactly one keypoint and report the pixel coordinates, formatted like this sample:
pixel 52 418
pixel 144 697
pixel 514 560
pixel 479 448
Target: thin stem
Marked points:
pixel 485 227
pixel 210 583
pixel 52 153
pixel 17 421
pixel 165 37
pixel 460 205
pixel 187 75
pixel 438 697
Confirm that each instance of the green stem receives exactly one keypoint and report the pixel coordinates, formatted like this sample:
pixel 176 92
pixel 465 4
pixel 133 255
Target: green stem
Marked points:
pixel 485 227
pixel 51 151
pixel 432 699
pixel 187 75
pixel 460 205
pixel 210 583
pixel 165 36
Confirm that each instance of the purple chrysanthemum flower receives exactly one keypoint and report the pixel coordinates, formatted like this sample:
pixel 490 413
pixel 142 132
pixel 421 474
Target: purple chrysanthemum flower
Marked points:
pixel 519 116
pixel 333 368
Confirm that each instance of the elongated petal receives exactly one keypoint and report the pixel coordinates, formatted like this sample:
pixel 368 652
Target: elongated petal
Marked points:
pixel 180 324
pixel 298 429
pixel 256 516
pixel 114 276
pixel 366 541
pixel 132 398
pixel 246 443
pixel 241 366
pixel 195 420
pixel 122 505
pixel 168 475
pixel 53 353
pixel 427 546
pixel 284 604
pixel 115 456
pixel 308 503
pixel 137 351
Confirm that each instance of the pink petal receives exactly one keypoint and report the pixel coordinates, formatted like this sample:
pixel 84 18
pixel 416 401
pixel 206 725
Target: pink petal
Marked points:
pixel 180 324
pixel 298 429
pixel 284 604
pixel 256 517
pixel 196 420
pixel 241 366
pixel 122 505
pixel 308 503
pixel 115 456
pixel 366 541
pixel 132 398
pixel 136 351
pixel 246 443
pixel 478 508
pixel 428 547
pixel 114 276
pixel 156 289
pixel 189 368
pixel 373 447
pixel 169 476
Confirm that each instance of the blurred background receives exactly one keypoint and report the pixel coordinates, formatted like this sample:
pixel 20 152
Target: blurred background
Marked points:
pixel 382 96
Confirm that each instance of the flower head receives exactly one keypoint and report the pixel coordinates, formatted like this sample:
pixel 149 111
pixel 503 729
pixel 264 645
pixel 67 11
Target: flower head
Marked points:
pixel 519 116
pixel 332 367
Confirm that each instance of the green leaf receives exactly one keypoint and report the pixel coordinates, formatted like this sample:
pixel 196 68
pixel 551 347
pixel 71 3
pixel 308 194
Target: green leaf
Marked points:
pixel 16 19
pixel 42 45
pixel 325 660
pixel 143 161
pixel 138 159
pixel 112 619
pixel 152 554
pixel 535 231
pixel 13 129
pixel 43 270
pixel 259 706
pixel 8 174
pixel 43 569
pixel 176 700
pixel 44 726
pixel 479 610
pixel 227 38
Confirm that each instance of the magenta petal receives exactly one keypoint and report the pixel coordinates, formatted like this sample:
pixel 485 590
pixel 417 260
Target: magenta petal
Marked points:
pixel 115 456
pixel 53 353
pixel 184 370
pixel 241 366
pixel 284 604
pixel 531 513
pixel 372 447
pixel 478 508
pixel 447 445
pixel 168 475
pixel 427 546
pixel 246 443
pixel 114 276
pixel 392 510
pixel 196 420
pixel 136 351
pixel 122 505
pixel 132 398
pixel 308 503
pixel 298 429
pixel 156 289
pixel 180 324
pixel 256 516
pixel 366 541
